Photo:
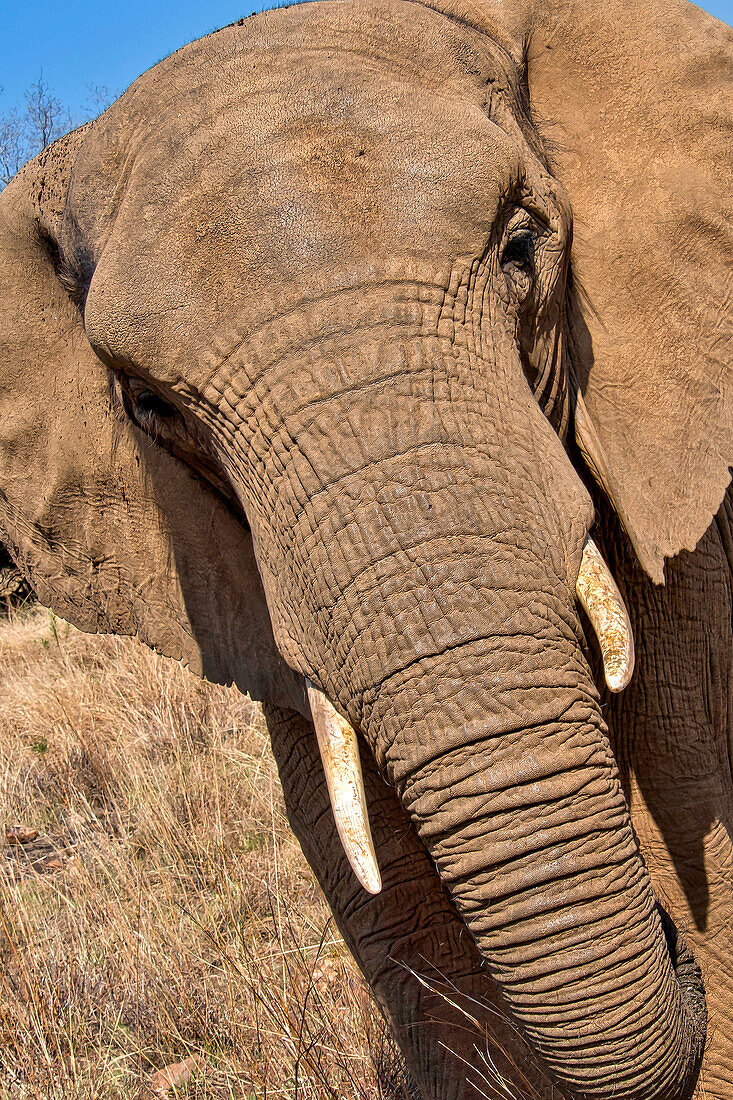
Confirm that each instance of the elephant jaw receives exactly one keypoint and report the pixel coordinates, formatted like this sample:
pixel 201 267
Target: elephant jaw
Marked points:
pixel 338 744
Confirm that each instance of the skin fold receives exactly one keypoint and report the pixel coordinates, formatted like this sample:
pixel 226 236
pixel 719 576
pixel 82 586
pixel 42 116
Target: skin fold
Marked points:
pixel 324 351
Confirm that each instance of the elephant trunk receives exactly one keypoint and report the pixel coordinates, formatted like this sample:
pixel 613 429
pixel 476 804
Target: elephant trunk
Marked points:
pixel 530 832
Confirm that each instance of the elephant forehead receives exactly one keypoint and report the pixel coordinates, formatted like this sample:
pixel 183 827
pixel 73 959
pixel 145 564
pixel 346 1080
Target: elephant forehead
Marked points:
pixel 298 176
pixel 324 172
pixel 321 168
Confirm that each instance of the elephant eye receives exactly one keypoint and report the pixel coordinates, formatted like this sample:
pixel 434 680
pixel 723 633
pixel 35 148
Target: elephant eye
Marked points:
pixel 145 407
pixel 148 404
pixel 519 250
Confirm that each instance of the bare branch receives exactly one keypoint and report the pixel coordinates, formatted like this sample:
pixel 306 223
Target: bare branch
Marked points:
pixel 23 134
pixel 45 117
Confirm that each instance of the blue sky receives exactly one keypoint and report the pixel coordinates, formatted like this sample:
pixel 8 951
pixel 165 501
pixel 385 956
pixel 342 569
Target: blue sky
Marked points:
pixel 77 43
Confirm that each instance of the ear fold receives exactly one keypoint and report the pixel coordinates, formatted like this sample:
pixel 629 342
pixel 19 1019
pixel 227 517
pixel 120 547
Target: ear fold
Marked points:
pixel 113 533
pixel 637 100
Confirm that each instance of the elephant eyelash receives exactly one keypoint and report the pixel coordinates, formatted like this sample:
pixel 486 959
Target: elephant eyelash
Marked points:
pixel 149 406
pixel 144 407
pixel 74 273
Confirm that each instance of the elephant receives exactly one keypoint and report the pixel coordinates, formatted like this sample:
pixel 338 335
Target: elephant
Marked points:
pixel 375 356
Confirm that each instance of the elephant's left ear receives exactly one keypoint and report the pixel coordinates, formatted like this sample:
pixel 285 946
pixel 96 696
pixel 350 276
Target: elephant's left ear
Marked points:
pixel 113 532
pixel 637 101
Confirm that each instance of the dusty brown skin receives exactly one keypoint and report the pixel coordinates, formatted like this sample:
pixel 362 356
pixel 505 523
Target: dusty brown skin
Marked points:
pixel 297 382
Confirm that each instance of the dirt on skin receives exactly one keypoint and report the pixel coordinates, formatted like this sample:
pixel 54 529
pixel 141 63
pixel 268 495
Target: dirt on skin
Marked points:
pixel 160 931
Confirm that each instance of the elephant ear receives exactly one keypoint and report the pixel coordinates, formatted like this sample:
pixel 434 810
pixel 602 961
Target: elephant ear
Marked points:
pixel 642 95
pixel 637 101
pixel 112 532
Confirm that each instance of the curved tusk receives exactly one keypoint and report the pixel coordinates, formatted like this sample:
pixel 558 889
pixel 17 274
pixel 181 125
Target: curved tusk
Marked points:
pixel 340 756
pixel 604 606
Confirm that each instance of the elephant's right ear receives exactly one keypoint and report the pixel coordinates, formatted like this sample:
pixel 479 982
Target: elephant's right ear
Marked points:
pixel 113 533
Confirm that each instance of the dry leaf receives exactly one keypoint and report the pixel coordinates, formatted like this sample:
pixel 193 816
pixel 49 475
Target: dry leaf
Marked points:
pixel 179 1073
pixel 326 970
pixel 18 834
pixel 51 864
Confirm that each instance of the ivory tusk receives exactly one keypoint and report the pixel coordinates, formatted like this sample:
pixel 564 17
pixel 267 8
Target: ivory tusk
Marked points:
pixel 340 756
pixel 604 606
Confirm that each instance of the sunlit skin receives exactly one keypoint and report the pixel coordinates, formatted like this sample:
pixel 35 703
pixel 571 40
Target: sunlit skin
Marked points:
pixel 334 367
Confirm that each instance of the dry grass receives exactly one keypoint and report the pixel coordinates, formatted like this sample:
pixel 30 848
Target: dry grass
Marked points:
pixel 164 912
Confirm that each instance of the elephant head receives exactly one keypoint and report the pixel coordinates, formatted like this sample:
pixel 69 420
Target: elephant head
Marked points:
pixel 300 386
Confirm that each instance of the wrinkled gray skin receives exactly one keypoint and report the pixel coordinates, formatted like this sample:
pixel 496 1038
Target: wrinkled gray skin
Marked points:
pixel 297 383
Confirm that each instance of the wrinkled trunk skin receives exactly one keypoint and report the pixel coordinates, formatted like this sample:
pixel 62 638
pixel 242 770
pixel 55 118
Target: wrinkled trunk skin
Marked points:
pixel 530 833
pixel 415 951
pixel 419 542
